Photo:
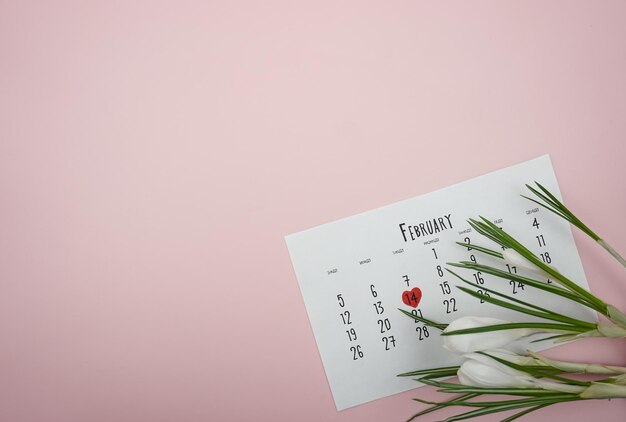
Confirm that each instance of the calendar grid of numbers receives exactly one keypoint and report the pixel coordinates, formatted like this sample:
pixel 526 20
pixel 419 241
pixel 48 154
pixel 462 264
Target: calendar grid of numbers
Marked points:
pixel 355 273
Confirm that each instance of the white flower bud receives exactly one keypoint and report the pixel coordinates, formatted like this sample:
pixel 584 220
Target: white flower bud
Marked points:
pixel 514 259
pixel 482 371
pixel 467 343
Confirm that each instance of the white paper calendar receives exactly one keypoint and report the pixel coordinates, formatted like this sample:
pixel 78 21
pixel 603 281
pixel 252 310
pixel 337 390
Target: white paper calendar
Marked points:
pixel 355 273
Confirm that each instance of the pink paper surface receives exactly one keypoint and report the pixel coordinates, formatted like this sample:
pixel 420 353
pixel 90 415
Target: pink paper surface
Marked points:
pixel 154 154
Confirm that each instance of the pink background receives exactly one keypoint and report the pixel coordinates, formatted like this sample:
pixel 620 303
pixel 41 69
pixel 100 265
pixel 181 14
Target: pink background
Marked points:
pixel 154 154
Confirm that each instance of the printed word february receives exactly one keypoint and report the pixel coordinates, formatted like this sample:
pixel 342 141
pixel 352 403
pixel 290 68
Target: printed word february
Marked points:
pixel 425 228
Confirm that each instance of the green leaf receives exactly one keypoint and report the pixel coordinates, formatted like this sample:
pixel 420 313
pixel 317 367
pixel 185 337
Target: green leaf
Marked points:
pixel 425 321
pixel 543 313
pixel 556 337
pixel 443 369
pixel 508 241
pixel 554 205
pixel 525 280
pixel 530 305
pixel 490 410
pixel 543 326
pixel 481 249
pixel 525 401
pixel 546 199
pixel 539 373
pixel 440 406
pixel 525 412
pixel 549 208
pixel 447 387
pixel 478 228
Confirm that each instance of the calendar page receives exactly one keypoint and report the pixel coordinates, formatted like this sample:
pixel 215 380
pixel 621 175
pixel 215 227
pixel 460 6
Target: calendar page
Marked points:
pixel 355 274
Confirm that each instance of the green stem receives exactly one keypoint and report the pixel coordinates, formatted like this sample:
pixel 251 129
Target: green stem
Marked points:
pixel 539 326
pixel 612 251
pixel 601 390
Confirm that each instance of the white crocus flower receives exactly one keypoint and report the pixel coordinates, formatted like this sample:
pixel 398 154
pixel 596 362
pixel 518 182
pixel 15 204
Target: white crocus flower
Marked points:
pixel 466 343
pixel 480 370
pixel 514 259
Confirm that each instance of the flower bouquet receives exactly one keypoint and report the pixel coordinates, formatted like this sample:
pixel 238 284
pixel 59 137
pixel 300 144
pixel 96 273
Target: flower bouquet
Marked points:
pixel 527 381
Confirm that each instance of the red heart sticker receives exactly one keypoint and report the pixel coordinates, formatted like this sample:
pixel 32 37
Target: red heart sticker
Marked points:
pixel 413 297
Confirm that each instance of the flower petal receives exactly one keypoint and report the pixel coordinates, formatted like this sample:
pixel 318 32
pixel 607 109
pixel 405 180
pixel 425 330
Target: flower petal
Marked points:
pixel 489 374
pixel 467 343
pixel 513 258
